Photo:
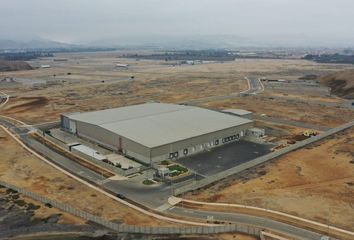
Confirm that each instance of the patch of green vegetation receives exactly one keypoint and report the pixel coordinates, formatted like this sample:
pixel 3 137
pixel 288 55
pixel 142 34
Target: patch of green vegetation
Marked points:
pixel 48 205
pixel 148 182
pixel 20 202
pixel 165 162
pixel 48 132
pixel 32 206
pixel 177 170
pixel 10 191
pixel 15 196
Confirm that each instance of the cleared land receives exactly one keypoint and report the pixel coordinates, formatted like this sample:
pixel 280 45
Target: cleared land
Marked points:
pixel 92 81
pixel 13 66
pixel 20 168
pixel 289 109
pixel 342 83
pixel 21 215
pixel 315 183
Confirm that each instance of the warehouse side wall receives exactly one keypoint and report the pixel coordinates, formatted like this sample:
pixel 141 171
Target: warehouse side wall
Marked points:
pixel 97 134
pixel 147 155
pixel 136 150
pixel 68 124
pixel 113 141
pixel 198 144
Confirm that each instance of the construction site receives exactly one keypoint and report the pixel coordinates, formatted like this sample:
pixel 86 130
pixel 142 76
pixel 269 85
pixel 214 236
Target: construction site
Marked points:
pixel 130 142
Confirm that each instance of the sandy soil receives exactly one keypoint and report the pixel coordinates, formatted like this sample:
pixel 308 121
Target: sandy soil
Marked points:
pixel 342 83
pixel 153 81
pixel 20 168
pixel 284 109
pixel 315 183
pixel 43 212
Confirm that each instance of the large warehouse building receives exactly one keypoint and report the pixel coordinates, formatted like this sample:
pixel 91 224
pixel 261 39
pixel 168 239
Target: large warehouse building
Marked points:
pixel 153 132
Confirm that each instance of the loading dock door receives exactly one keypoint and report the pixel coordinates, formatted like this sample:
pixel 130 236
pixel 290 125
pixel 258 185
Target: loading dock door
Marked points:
pixel 72 126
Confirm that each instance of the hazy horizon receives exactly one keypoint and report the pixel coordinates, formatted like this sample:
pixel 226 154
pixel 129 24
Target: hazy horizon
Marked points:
pixel 292 22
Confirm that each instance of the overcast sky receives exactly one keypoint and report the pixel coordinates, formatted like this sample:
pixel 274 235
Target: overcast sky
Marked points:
pixel 89 20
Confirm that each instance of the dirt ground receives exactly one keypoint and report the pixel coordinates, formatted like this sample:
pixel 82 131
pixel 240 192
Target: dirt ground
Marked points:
pixel 91 81
pixel 316 183
pixel 20 168
pixel 284 109
pixel 44 212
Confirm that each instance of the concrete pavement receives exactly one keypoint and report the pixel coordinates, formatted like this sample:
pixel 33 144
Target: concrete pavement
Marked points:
pixel 284 228
pixel 156 196
pixel 255 86
pixel 143 196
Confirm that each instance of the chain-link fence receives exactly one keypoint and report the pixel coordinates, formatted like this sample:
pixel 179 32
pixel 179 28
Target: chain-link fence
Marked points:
pixel 224 174
pixel 122 228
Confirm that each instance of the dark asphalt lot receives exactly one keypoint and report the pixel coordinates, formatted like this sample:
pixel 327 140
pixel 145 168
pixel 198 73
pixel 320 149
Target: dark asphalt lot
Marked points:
pixel 227 156
pixel 224 157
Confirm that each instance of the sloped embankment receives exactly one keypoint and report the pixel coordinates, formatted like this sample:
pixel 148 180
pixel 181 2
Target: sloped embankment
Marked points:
pixel 6 66
pixel 341 83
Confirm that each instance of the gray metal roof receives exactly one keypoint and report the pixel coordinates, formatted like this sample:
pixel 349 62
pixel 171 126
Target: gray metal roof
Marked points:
pixel 156 124
pixel 239 112
pixel 114 115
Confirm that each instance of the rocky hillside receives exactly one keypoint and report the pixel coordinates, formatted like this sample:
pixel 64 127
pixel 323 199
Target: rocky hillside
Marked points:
pixel 6 66
pixel 341 83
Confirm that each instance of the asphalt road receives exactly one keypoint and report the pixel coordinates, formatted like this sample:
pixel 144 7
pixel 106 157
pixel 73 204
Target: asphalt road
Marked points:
pixel 250 220
pixel 224 157
pixel 148 196
pixel 255 86
pixel 154 196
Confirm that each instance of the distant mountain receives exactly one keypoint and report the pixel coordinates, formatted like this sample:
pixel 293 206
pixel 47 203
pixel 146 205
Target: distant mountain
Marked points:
pixel 33 44
pixel 216 41
pixel 196 42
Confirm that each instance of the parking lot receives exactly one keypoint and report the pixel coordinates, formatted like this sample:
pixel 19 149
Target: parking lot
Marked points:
pixel 224 157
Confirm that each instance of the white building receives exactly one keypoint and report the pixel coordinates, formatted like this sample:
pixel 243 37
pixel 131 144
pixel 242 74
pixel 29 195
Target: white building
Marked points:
pixel 154 132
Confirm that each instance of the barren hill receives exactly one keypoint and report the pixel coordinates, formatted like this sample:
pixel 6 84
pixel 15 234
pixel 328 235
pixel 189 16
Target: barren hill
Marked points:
pixel 341 83
pixel 6 66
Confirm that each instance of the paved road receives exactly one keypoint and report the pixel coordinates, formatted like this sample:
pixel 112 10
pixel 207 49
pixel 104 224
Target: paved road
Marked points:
pixel 155 196
pixel 250 220
pixel 255 86
pixel 54 156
